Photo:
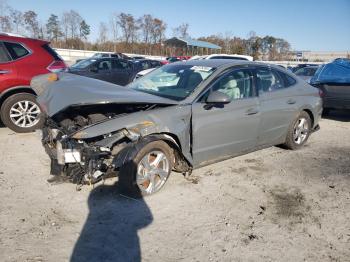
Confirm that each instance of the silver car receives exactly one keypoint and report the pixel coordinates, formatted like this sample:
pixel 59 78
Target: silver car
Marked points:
pixel 179 117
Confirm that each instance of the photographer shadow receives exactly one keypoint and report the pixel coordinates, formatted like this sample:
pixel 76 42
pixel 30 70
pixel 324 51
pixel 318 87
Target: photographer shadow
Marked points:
pixel 110 230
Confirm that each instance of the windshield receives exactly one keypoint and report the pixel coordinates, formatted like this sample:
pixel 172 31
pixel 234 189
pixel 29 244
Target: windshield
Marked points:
pixel 173 81
pixel 83 63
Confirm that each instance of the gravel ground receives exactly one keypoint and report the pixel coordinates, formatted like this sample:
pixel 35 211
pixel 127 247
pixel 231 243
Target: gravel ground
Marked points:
pixel 271 205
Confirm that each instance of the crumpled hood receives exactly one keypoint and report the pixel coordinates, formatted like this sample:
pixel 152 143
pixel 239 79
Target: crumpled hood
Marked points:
pixel 75 90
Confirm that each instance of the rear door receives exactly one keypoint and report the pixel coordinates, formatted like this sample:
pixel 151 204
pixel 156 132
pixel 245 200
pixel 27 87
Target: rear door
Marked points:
pixel 101 69
pixel 278 104
pixel 8 71
pixel 226 130
pixel 121 72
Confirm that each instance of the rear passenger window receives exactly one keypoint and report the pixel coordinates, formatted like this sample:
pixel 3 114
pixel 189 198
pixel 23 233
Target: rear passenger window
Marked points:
pixel 4 57
pixel 104 65
pixel 16 50
pixel 120 64
pixel 288 80
pixel 269 80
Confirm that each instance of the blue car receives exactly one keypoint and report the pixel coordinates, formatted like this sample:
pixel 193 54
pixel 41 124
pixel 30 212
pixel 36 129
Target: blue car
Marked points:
pixel 333 80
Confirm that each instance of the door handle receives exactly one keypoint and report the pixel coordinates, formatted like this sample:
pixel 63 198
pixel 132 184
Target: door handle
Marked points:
pixel 251 111
pixel 4 72
pixel 291 101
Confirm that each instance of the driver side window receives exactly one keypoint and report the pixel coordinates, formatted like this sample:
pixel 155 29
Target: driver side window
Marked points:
pixel 237 84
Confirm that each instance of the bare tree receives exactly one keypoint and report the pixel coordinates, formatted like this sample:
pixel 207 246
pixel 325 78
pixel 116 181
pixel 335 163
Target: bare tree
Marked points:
pixel 113 21
pixel 181 30
pixel 103 33
pixel 128 26
pixel 158 30
pixel 146 25
pixel 31 23
pixel 5 20
pixel 71 21
pixel 17 20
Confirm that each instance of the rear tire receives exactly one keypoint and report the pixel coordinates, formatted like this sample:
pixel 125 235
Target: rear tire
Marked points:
pixel 146 174
pixel 21 113
pixel 299 131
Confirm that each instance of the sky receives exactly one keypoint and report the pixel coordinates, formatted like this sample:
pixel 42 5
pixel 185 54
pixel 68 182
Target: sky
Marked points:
pixel 316 25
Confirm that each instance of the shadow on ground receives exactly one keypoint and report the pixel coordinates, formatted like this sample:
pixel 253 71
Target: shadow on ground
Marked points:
pixel 338 115
pixel 110 230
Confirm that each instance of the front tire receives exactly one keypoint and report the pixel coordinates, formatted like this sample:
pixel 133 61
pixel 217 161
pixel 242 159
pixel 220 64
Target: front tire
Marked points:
pixel 299 131
pixel 148 172
pixel 21 113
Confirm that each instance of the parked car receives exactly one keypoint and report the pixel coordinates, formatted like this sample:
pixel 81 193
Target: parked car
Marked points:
pixel 306 72
pixel 106 55
pixel 20 59
pixel 224 56
pixel 296 68
pixel 113 70
pixel 143 73
pixel 143 64
pixel 179 117
pixel 173 59
pixel 333 80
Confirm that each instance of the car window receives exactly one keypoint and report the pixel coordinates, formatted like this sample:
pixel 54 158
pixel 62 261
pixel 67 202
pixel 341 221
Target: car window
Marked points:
pixel 268 80
pixel 288 80
pixel 174 81
pixel 155 63
pixel 4 57
pixel 145 65
pixel 104 65
pixel 16 50
pixel 120 64
pixel 237 84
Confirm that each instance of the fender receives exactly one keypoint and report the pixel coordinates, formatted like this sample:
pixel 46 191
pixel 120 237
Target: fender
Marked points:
pixel 127 154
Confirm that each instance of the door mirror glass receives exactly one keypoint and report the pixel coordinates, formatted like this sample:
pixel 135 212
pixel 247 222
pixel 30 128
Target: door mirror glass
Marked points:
pixel 217 97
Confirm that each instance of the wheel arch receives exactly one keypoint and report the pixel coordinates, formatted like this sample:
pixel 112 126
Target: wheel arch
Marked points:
pixel 182 164
pixel 311 115
pixel 15 90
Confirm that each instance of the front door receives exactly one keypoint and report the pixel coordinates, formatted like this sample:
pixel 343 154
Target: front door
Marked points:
pixel 226 130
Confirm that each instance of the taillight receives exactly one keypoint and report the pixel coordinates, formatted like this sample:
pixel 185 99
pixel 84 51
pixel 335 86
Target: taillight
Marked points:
pixel 57 66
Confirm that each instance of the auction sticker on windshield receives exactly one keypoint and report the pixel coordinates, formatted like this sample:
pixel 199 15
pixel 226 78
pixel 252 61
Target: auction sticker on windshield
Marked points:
pixel 201 68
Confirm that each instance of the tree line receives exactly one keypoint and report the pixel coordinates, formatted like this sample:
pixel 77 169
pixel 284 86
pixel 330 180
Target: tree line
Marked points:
pixel 127 33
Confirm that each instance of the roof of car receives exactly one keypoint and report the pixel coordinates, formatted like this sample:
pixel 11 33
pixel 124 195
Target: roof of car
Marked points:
pixel 213 62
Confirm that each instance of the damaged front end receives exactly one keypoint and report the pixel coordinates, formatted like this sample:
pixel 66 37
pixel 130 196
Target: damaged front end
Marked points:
pixel 92 128
pixel 82 159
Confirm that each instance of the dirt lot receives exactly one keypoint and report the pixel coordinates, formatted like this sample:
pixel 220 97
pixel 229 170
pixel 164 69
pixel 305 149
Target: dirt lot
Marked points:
pixel 271 205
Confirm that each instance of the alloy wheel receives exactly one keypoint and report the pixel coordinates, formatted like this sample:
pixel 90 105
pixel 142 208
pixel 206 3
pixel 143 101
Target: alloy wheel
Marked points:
pixel 25 114
pixel 301 131
pixel 152 171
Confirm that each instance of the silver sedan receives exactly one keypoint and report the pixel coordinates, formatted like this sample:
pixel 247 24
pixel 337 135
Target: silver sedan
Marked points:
pixel 178 117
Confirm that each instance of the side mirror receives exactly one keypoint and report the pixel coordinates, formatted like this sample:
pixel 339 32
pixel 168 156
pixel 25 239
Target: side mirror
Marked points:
pixel 94 69
pixel 217 97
